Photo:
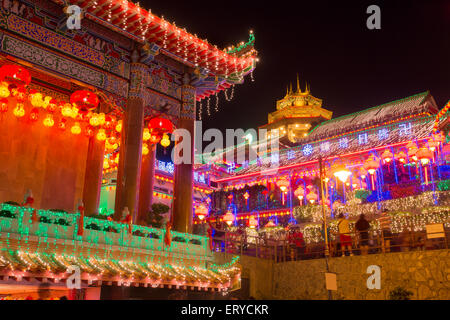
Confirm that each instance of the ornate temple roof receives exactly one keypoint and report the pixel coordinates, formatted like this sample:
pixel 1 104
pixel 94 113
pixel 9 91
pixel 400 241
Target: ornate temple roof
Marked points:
pixel 391 111
pixel 141 25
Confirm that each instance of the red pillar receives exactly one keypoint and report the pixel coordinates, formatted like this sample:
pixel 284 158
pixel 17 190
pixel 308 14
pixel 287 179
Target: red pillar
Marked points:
pixel 146 184
pixel 183 175
pixel 93 176
pixel 130 157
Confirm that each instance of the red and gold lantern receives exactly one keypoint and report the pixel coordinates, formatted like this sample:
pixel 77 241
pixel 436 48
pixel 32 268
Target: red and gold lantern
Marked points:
pixel 201 211
pixel 15 75
pixel 85 100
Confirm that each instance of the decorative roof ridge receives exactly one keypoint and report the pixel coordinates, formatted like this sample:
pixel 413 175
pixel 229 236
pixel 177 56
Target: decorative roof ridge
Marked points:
pixel 425 94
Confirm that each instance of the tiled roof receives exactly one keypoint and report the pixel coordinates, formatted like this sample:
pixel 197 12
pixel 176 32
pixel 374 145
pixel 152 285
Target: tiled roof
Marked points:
pixel 376 115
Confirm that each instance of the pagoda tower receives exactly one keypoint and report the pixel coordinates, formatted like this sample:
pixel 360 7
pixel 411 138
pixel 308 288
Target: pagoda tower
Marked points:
pixel 296 115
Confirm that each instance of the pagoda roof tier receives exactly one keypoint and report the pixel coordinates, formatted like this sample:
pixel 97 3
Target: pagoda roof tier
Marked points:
pixel 141 25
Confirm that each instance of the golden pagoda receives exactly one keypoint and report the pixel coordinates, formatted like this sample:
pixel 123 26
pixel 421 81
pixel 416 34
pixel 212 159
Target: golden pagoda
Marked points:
pixel 297 113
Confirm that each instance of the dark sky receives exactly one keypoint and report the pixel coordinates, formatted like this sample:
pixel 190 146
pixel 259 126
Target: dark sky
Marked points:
pixel 327 42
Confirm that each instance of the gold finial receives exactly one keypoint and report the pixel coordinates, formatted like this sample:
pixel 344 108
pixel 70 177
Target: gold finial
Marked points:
pixel 298 85
pixel 287 91
pixel 307 89
pixel 290 90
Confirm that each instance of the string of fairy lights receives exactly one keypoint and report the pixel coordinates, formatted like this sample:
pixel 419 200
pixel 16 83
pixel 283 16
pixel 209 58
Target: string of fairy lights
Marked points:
pixel 122 271
pixel 51 256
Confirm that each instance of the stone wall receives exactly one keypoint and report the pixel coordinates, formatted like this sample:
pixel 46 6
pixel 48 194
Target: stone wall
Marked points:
pixel 425 273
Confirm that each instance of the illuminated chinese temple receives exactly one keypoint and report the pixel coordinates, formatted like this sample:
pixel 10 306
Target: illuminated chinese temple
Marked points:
pixel 393 156
pixel 84 109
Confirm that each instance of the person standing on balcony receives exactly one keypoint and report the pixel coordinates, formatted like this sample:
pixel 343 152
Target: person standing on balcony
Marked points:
pixel 297 242
pixel 362 226
pixel 345 235
pixel 386 234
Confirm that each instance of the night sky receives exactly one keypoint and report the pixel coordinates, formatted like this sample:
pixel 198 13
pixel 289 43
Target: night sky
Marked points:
pixel 327 42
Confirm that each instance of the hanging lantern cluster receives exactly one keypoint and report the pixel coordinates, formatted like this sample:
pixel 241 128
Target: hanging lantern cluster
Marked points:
pixel 77 115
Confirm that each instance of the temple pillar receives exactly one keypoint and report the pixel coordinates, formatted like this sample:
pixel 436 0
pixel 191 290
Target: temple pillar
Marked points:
pixel 93 175
pixel 130 156
pixel 146 184
pixel 183 175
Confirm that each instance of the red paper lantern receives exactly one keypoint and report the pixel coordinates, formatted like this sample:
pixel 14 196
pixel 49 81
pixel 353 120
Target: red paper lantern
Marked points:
pixel 201 211
pixel 312 197
pixel 283 184
pixel 85 100
pixel 159 126
pixel 228 218
pixel 109 122
pixel 371 165
pixel 401 157
pixel 15 75
pixel 424 155
pixel 387 156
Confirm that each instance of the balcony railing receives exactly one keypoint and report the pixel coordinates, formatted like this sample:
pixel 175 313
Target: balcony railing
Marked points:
pixel 16 222
pixel 284 250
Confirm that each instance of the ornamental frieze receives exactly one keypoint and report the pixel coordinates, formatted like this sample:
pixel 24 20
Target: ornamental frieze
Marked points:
pixel 68 46
pixel 66 67
pixel 54 40
pixel 161 80
pixel 188 102
pixel 155 102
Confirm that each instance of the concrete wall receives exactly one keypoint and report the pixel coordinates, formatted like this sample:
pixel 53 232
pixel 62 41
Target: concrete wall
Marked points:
pixel 425 273
pixel 46 160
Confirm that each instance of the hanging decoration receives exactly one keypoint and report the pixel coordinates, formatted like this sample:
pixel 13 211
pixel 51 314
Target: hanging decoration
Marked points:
pixel 228 218
pixel 165 141
pixel 85 101
pixel 201 211
pixel 252 222
pixel 15 75
pixel 371 165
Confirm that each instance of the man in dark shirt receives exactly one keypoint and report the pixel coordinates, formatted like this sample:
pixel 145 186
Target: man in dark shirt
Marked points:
pixel 362 226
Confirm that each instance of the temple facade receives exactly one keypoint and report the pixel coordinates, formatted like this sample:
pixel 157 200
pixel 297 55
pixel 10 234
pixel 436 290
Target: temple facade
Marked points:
pixel 79 103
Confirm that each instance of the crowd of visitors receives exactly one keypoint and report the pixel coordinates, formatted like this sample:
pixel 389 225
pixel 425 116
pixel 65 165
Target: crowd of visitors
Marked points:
pixel 291 241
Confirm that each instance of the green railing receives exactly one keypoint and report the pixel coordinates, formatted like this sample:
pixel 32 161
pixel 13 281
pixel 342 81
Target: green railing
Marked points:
pixel 61 225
